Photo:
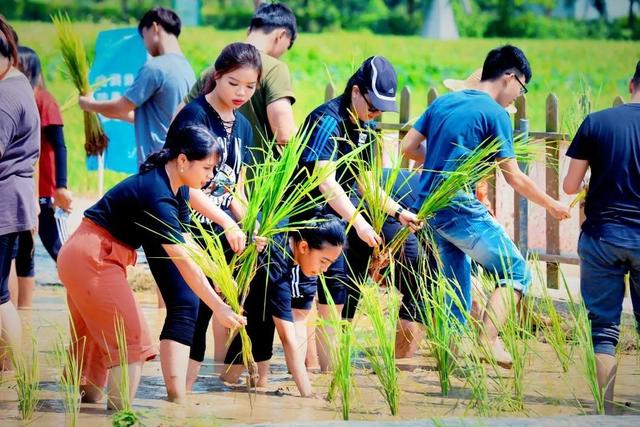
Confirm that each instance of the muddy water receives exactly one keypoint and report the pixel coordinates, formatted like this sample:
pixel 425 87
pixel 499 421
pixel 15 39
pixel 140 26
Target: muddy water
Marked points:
pixel 549 392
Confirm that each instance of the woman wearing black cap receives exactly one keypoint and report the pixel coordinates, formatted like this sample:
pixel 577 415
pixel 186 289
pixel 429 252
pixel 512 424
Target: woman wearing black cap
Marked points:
pixel 337 128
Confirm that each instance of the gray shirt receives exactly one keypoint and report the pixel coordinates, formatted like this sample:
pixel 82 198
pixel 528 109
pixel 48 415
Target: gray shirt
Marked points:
pixel 157 90
pixel 19 151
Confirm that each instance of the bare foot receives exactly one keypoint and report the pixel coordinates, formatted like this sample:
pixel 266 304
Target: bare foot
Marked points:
pixel 499 354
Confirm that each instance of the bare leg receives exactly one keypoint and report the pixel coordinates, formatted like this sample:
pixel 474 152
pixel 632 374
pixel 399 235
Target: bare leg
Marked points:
pixel 263 374
pixel 231 373
pixel 311 358
pixel 159 298
pixel 220 339
pixel 134 371
pixel 26 286
pixel 193 369
pixel 11 329
pixel 91 394
pixel 408 337
pixel 325 337
pixel 14 288
pixel 494 317
pixel 606 366
pixel 174 361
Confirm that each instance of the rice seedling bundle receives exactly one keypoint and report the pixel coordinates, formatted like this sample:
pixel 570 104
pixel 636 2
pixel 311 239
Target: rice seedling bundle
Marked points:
pixel 379 348
pixel 75 58
pixel 479 164
pixel 27 377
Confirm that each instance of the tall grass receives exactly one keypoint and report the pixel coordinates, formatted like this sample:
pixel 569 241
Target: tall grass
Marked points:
pixel 75 58
pixel 436 297
pixel 341 355
pixel 582 335
pixel 125 415
pixel 379 348
pixel 70 360
pixel 27 377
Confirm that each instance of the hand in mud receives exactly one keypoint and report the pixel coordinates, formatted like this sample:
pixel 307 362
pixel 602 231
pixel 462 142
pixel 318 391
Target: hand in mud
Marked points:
pixel 410 220
pixel 228 318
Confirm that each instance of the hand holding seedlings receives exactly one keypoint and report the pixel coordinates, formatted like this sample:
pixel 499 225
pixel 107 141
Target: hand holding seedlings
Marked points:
pixel 409 219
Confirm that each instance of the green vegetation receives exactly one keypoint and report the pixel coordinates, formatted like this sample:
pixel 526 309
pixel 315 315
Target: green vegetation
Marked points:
pixel 27 377
pixel 70 362
pixel 316 58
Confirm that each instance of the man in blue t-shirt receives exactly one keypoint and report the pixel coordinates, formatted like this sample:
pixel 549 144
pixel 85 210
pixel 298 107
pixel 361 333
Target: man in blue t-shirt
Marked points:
pixel 608 142
pixel 454 125
pixel 157 89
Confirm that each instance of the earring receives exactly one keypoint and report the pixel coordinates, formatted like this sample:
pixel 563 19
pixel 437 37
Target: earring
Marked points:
pixel 181 169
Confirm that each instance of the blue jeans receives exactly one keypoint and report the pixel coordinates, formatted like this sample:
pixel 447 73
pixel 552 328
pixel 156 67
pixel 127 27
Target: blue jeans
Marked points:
pixel 602 270
pixel 464 231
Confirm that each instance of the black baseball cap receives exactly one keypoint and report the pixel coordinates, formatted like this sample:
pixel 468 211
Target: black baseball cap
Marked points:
pixel 380 83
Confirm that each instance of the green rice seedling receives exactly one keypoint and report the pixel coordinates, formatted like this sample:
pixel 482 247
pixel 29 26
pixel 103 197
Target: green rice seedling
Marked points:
pixel 516 333
pixel 70 361
pixel 75 58
pixel 341 355
pixel 583 337
pixel 476 377
pixel 476 166
pixel 27 377
pixel 379 348
pixel 443 330
pixel 125 415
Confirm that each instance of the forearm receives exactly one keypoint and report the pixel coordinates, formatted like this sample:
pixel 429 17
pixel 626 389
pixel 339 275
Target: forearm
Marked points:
pixel 293 357
pixel 528 189
pixel 55 136
pixel 202 204
pixel 367 183
pixel 340 202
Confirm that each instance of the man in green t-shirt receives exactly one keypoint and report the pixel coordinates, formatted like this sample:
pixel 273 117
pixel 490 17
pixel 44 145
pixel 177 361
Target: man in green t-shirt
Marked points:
pixel 272 30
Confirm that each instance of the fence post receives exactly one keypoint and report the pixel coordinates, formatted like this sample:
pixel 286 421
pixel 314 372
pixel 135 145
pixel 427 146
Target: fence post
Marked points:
pixel 520 204
pixel 329 92
pixel 404 117
pixel 552 161
pixel 431 95
pixel 618 101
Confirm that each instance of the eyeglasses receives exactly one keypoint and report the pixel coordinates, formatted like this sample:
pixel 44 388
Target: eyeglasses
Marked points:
pixel 370 107
pixel 523 88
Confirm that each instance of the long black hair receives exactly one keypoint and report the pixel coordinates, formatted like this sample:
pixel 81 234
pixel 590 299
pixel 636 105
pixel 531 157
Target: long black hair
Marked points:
pixel 8 45
pixel 232 57
pixel 321 231
pixel 29 64
pixel 194 141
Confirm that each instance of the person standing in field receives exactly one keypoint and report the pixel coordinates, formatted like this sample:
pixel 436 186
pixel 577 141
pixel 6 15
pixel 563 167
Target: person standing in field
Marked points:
pixel 52 183
pixel 145 210
pixel 19 150
pixel 608 143
pixel 454 125
pixel 272 31
pixel 157 89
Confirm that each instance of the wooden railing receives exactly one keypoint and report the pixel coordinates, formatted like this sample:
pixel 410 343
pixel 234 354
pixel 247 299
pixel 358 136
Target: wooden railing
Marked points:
pixel 553 137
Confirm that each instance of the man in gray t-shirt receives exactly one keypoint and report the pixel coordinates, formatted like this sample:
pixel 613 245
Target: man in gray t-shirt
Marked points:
pixel 159 87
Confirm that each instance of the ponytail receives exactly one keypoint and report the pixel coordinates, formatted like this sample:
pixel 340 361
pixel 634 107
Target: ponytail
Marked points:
pixel 156 160
pixel 195 141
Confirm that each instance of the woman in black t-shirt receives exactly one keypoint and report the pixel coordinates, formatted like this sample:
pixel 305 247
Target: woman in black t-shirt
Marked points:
pixel 148 210
pixel 237 74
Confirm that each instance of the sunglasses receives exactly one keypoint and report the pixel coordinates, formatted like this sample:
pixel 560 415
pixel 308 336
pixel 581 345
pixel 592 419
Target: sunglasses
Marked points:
pixel 523 88
pixel 370 107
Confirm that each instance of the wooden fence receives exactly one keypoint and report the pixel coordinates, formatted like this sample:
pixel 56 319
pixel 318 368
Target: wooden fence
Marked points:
pixel 553 137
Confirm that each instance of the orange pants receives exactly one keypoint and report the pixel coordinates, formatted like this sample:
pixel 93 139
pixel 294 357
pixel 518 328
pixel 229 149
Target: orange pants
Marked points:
pixel 92 267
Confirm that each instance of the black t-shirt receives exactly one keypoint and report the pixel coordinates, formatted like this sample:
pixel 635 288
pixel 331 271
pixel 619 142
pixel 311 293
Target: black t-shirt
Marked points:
pixel 270 292
pixel 333 134
pixel 143 209
pixel 220 188
pixel 610 141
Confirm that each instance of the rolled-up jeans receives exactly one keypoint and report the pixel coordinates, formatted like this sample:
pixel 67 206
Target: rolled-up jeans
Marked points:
pixel 464 231
pixel 603 267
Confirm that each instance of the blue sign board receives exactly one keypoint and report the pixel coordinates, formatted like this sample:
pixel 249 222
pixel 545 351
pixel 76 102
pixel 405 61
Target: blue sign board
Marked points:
pixel 120 54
